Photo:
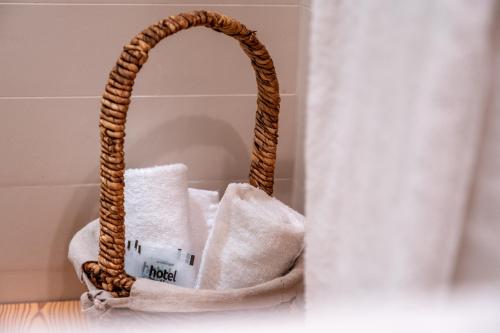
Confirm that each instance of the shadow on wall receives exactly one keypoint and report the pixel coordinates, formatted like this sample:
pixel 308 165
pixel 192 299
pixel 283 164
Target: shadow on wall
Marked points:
pixel 174 135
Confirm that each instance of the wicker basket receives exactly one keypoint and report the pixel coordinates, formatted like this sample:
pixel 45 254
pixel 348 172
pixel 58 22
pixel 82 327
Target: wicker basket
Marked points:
pixel 108 272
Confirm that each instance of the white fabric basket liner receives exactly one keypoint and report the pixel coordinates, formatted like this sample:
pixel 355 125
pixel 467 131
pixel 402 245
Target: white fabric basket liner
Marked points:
pixel 152 296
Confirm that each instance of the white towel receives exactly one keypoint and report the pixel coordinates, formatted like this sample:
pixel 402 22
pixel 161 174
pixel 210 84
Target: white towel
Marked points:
pixel 202 209
pixel 156 205
pixel 254 239
pixel 161 210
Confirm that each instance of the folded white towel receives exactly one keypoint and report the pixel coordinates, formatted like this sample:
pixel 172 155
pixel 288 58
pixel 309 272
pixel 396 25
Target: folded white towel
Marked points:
pixel 162 211
pixel 157 205
pixel 254 239
pixel 202 209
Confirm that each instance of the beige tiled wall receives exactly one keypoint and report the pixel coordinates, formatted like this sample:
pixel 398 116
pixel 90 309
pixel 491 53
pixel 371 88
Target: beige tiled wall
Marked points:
pixel 194 103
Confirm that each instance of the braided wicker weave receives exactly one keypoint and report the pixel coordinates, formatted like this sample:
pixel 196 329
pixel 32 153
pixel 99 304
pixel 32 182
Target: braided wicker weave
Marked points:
pixel 108 273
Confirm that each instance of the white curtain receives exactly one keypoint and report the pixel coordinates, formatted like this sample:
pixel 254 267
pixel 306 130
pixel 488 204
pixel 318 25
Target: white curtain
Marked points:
pixel 402 147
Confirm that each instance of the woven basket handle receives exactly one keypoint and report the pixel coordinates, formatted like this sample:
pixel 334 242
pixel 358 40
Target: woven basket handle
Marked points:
pixel 109 273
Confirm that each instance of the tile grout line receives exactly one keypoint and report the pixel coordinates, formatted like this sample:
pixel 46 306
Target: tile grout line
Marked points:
pixel 137 96
pixel 291 5
pixel 190 183
pixel 44 270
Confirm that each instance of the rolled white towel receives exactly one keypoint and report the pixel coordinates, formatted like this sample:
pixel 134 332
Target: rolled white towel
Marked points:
pixel 254 239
